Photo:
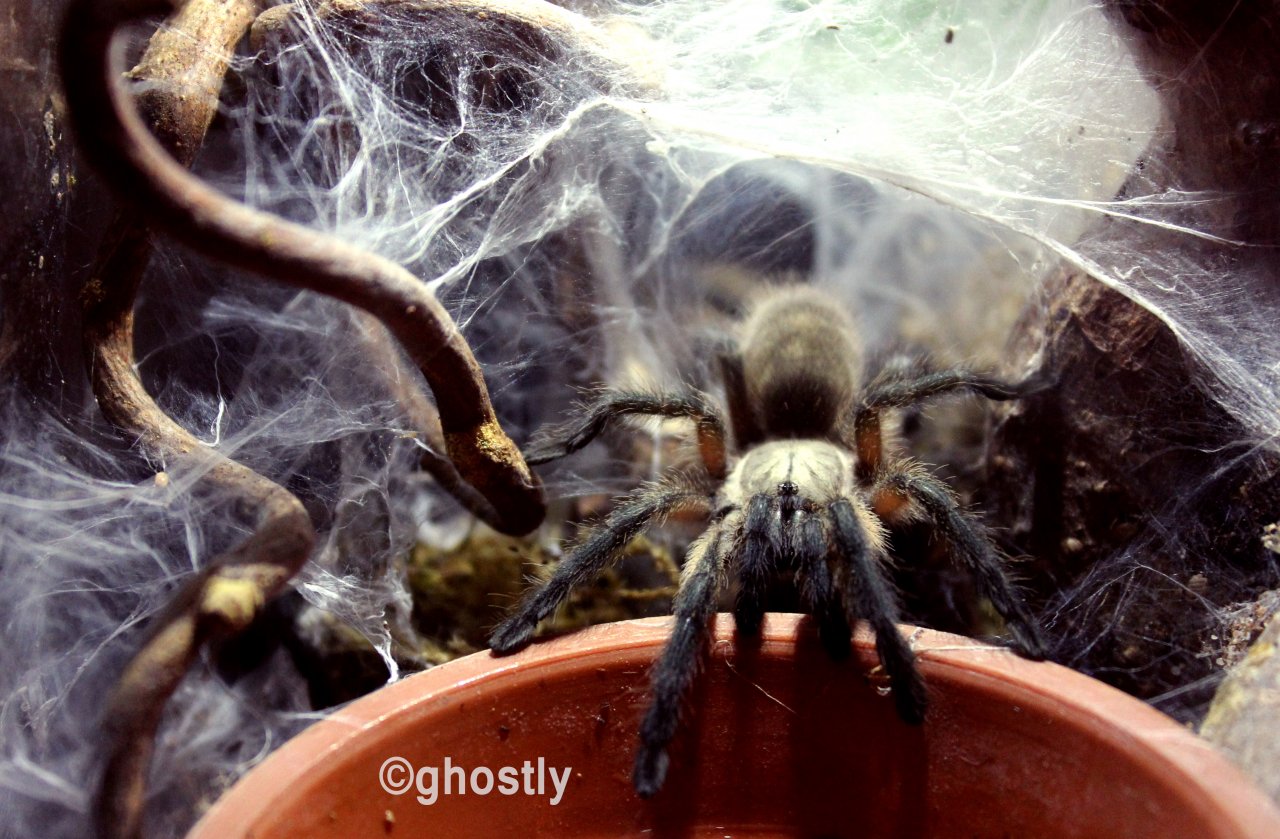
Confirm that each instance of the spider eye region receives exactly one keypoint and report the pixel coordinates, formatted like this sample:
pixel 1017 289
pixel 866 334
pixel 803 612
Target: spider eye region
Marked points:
pixel 789 501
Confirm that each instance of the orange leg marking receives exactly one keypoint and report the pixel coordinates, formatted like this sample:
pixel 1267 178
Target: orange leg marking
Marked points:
pixel 868 443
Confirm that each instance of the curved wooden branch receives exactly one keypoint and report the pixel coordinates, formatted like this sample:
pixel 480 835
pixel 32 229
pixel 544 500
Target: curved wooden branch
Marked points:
pixel 395 378
pixel 187 60
pixel 221 601
pixel 185 63
pixel 127 155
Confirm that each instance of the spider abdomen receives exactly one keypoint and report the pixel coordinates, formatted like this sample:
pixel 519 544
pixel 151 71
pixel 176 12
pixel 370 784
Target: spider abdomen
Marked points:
pixel 800 363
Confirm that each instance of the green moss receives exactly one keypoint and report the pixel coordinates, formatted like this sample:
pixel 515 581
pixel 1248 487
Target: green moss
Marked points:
pixel 461 593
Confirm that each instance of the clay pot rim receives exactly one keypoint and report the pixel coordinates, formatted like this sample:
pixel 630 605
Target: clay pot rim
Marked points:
pixel 1196 770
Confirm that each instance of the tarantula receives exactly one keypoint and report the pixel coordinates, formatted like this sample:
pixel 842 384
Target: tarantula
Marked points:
pixel 808 486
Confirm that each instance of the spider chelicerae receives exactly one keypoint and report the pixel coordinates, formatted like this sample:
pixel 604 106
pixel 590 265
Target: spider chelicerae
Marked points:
pixel 803 482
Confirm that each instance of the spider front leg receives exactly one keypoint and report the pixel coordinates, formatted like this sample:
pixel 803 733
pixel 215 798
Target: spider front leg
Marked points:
pixel 681 659
pixel 649 505
pixel 611 406
pixel 873 597
pixel 894 500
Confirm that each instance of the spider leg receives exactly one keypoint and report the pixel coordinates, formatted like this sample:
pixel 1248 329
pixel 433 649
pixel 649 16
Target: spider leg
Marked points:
pixel 909 387
pixel 742 419
pixel 681 659
pixel 874 598
pixel 611 405
pixel 818 587
pixel 903 387
pixel 622 525
pixel 964 534
pixel 755 565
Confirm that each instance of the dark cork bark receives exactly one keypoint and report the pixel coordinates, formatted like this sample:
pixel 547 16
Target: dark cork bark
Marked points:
pixel 1091 477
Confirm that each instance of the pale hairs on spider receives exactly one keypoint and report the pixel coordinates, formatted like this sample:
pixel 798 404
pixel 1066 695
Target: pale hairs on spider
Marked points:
pixel 803 482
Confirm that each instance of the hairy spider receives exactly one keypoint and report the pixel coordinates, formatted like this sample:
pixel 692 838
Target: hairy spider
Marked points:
pixel 808 486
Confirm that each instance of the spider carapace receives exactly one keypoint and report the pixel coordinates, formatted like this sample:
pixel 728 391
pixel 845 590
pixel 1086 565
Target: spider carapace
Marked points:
pixel 800 479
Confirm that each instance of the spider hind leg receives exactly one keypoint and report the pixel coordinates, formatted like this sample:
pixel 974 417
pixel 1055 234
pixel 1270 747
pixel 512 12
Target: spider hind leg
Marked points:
pixel 611 406
pixel 920 383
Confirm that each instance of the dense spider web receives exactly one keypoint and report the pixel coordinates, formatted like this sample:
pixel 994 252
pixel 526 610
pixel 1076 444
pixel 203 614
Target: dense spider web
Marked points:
pixel 928 163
